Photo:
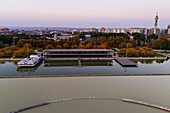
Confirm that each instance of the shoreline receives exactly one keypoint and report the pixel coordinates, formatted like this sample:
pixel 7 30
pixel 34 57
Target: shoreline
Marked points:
pixel 130 58
pixel 54 76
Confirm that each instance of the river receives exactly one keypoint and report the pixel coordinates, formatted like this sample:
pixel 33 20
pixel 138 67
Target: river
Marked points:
pixel 20 92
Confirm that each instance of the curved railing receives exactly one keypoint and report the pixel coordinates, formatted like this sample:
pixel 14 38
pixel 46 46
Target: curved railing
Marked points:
pixel 146 104
pixel 88 98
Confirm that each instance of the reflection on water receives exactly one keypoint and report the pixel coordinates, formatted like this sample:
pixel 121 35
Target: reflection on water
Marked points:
pixel 4 62
pixel 149 61
pixel 75 63
pixel 90 67
pixel 28 69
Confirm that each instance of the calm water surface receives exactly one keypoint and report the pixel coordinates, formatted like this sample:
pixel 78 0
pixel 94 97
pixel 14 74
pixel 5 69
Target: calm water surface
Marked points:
pixel 16 93
pixel 90 68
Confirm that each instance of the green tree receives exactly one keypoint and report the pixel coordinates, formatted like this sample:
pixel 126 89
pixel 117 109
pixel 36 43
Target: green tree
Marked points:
pixel 75 40
pixel 1 44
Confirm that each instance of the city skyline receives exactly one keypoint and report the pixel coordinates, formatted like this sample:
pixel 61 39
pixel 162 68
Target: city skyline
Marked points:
pixel 79 13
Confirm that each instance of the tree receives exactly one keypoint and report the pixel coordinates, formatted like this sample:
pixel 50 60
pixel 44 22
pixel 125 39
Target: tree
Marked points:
pixel 23 52
pixel 102 39
pixel 94 40
pixel 125 45
pixel 95 46
pixel 81 47
pixel 49 46
pixel 139 37
pixel 111 41
pixel 89 45
pixel 1 44
pixel 119 40
pixel 2 54
pixel 74 46
pixel 86 42
pixel 66 46
pixel 132 52
pixel 8 53
pixel 161 43
pixel 133 42
pixel 75 40
pixel 103 46
pixel 59 47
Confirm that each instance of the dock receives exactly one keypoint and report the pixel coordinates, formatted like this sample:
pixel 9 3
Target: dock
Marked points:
pixel 125 62
pixel 146 104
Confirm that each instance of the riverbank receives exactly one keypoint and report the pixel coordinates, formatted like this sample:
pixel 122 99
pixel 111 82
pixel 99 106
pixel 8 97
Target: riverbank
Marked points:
pixel 10 59
pixel 53 76
pixel 130 58
pixel 147 58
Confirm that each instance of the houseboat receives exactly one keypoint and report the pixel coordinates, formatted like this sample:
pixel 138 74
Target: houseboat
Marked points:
pixel 32 61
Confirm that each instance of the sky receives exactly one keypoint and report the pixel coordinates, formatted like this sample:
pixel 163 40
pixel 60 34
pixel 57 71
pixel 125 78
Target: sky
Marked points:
pixel 84 13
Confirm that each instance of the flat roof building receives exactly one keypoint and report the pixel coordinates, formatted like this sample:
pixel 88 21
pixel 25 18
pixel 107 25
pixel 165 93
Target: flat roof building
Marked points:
pixel 76 53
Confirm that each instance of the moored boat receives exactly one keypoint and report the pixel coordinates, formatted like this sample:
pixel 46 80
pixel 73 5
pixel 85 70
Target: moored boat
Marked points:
pixel 32 61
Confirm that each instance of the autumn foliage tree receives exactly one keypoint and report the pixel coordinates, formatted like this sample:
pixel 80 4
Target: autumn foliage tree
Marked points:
pixel 111 41
pixel 142 52
pixel 2 54
pixel 24 52
pixel 49 46
pixel 59 47
pixel 161 43
pixel 81 47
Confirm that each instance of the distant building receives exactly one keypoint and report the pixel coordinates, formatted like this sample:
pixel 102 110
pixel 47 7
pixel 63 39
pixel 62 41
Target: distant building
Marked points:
pixel 151 31
pixel 138 30
pixel 168 26
pixel 163 31
pixel 168 31
pixel 92 30
pixel 103 30
pixel 119 30
pixel 88 37
pixel 5 30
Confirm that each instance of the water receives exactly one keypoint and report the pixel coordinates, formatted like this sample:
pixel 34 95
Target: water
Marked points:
pixel 16 93
pixel 90 68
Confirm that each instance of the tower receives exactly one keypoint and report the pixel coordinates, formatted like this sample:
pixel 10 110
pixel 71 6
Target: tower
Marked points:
pixel 156 23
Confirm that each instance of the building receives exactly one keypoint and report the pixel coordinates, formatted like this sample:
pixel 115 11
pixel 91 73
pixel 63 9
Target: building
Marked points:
pixel 138 30
pixel 92 30
pixel 168 31
pixel 76 53
pixel 103 30
pixel 163 31
pixel 151 31
pixel 168 26
pixel 5 30
pixel 118 30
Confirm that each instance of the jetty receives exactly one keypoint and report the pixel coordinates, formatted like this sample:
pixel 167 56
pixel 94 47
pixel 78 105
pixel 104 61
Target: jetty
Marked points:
pixel 125 62
pixel 145 104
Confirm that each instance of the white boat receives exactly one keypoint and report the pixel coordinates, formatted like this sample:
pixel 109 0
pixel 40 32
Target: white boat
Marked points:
pixel 32 61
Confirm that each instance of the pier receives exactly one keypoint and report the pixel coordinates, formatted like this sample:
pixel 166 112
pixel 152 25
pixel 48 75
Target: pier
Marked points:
pixel 125 62
pixel 146 104
pixel 79 62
